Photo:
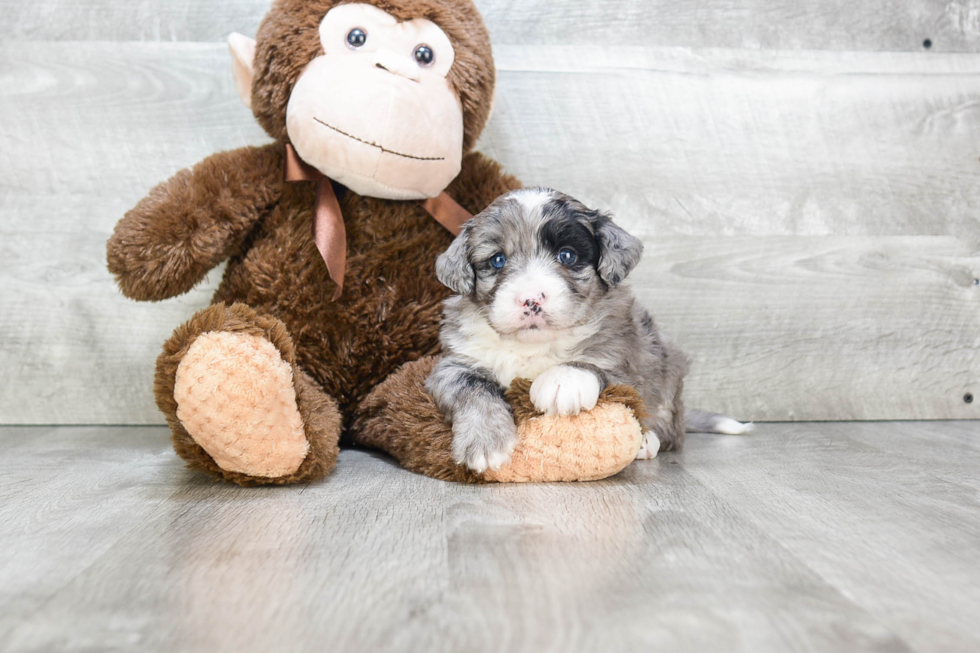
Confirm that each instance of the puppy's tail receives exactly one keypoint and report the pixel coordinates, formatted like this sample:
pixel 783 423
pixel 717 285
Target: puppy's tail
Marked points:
pixel 698 421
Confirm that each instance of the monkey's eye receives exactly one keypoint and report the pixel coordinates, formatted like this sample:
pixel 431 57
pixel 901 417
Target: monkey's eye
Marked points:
pixel 356 38
pixel 424 55
pixel 498 261
pixel 567 256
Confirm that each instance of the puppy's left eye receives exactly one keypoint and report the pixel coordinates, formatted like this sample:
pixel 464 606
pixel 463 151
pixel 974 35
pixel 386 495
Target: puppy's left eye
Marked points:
pixel 567 256
pixel 498 261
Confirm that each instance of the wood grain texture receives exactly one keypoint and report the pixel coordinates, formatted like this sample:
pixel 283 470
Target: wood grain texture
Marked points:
pixel 837 495
pixel 77 150
pixel 874 25
pixel 736 143
pixel 154 20
pixel 820 328
pixel 801 537
pixel 67 496
pixel 722 145
pixel 717 143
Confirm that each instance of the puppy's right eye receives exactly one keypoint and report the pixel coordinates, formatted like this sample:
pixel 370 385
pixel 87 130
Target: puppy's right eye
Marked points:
pixel 497 261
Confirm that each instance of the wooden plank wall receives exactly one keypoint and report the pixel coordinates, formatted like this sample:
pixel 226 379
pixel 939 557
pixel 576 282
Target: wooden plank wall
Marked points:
pixel 804 175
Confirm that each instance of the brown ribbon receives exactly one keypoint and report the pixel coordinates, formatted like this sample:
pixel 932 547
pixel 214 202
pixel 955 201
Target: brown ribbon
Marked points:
pixel 329 232
pixel 447 212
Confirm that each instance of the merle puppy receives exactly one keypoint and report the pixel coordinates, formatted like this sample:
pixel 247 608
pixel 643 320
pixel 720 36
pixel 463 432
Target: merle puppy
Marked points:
pixel 538 277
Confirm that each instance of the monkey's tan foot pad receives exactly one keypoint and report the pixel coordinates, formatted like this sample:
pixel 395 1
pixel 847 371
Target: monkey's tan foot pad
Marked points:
pixel 590 446
pixel 235 397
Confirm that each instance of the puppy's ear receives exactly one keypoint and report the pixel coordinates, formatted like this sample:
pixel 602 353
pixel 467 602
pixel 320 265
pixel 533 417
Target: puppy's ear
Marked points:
pixel 619 251
pixel 453 267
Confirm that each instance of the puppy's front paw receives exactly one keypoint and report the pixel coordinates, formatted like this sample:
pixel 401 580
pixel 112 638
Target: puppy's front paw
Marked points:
pixel 565 390
pixel 484 439
pixel 651 445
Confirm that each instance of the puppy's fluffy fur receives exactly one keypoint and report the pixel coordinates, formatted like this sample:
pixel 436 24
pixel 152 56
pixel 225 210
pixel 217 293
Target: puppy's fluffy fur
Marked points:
pixel 538 280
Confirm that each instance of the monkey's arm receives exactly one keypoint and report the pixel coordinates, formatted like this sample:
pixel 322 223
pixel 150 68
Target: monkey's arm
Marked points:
pixel 481 181
pixel 193 221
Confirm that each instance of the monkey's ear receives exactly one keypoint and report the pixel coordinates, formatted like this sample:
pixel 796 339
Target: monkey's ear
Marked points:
pixel 619 251
pixel 242 56
pixel 453 267
pixel 493 104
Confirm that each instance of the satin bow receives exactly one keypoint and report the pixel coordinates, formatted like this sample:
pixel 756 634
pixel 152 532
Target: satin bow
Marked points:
pixel 329 232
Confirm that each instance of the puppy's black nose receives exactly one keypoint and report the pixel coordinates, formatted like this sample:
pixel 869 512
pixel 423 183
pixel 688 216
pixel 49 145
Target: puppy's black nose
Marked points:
pixel 533 305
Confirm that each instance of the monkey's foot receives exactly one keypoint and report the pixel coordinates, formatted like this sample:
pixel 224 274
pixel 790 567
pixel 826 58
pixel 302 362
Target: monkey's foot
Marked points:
pixel 238 406
pixel 235 397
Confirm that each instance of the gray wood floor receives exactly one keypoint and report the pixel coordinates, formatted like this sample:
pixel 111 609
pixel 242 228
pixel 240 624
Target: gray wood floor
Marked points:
pixel 805 537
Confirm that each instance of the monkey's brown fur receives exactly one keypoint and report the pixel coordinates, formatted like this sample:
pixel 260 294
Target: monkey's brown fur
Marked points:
pixel 235 205
pixel 321 420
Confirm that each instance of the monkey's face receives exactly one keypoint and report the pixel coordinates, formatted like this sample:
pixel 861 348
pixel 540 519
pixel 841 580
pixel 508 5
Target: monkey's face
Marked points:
pixel 376 111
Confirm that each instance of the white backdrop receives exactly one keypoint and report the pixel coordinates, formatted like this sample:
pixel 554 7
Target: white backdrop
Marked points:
pixel 804 174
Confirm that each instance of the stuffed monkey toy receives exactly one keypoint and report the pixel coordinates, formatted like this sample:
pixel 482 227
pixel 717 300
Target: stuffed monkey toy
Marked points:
pixel 331 233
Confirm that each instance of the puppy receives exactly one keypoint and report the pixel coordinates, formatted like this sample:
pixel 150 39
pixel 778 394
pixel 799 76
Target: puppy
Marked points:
pixel 538 277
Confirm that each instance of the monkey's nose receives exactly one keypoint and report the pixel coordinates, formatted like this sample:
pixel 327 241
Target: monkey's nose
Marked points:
pixel 397 64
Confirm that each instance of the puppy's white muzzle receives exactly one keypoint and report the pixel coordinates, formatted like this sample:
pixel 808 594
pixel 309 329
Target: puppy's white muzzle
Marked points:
pixel 534 298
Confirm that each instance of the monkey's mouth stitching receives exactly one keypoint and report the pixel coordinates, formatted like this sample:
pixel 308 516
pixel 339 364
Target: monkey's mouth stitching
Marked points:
pixel 380 147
